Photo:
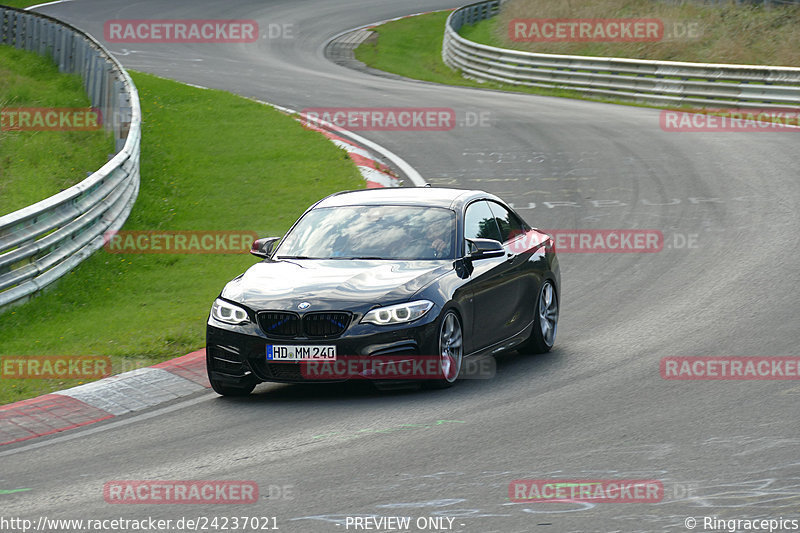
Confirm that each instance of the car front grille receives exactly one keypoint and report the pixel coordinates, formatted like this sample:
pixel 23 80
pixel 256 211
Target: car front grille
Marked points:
pixel 317 325
pixel 325 324
pixel 275 324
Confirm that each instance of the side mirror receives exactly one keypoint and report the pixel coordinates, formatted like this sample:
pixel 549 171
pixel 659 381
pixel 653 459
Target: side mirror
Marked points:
pixel 484 249
pixel 263 247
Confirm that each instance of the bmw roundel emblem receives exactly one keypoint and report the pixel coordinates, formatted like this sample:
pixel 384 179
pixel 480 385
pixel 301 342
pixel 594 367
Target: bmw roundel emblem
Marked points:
pixel 303 305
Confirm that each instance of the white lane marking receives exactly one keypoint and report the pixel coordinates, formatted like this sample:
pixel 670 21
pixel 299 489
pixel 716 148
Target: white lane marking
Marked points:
pixel 37 6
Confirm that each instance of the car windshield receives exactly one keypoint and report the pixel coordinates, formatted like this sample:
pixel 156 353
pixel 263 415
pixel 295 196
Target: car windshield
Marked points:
pixel 372 232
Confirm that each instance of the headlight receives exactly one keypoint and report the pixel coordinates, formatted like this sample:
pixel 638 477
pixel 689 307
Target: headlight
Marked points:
pixel 228 313
pixel 397 314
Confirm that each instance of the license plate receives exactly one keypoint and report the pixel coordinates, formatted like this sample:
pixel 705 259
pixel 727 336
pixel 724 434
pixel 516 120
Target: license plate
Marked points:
pixel 288 352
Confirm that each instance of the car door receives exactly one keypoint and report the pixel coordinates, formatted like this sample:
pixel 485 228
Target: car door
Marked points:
pixel 522 269
pixel 489 286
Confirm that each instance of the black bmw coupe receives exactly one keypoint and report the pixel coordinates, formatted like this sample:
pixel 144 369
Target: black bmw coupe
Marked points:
pixel 401 283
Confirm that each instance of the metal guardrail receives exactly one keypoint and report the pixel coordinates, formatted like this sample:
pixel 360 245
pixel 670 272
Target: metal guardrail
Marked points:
pixel 42 242
pixel 655 82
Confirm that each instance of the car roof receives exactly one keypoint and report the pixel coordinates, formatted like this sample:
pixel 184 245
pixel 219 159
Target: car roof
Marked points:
pixel 423 196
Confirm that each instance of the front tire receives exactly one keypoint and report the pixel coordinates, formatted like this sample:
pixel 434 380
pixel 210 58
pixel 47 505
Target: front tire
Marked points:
pixel 451 350
pixel 543 336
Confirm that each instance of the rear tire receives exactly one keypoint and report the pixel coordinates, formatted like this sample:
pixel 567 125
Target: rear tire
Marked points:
pixel 543 336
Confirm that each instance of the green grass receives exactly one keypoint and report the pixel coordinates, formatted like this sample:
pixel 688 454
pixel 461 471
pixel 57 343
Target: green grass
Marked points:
pixel 21 3
pixel 482 32
pixel 210 161
pixel 412 47
pixel 35 165
pixel 739 34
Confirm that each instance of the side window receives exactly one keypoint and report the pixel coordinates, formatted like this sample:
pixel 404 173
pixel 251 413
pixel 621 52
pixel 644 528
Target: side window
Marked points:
pixel 479 222
pixel 510 224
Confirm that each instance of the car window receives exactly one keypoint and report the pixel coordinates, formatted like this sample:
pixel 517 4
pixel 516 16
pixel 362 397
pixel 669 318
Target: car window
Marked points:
pixel 479 222
pixel 372 232
pixel 510 224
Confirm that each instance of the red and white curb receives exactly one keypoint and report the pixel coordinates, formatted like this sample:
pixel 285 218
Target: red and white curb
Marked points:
pixel 368 156
pixel 100 400
pixel 376 173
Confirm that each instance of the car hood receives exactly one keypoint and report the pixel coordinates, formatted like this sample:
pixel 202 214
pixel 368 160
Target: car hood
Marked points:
pixel 331 284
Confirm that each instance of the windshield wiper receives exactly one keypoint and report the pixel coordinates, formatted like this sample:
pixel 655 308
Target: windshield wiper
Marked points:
pixel 295 257
pixel 366 257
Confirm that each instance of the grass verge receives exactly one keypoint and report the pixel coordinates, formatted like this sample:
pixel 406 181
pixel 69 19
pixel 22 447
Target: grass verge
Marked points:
pixel 210 161
pixel 747 34
pixel 412 47
pixel 21 3
pixel 35 165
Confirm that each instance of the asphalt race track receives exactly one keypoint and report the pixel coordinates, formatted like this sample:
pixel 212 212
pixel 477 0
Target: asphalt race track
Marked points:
pixel 594 408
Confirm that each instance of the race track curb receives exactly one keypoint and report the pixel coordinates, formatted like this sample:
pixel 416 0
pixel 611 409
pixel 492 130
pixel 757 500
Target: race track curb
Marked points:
pixel 376 173
pixel 93 402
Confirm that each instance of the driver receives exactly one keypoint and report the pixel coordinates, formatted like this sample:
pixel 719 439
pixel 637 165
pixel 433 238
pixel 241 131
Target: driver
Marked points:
pixel 439 241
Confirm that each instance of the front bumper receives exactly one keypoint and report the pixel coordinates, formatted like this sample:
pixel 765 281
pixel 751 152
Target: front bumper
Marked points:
pixel 233 354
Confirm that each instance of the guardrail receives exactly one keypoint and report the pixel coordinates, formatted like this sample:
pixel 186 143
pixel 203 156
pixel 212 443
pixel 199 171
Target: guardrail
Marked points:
pixel 42 242
pixel 656 82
